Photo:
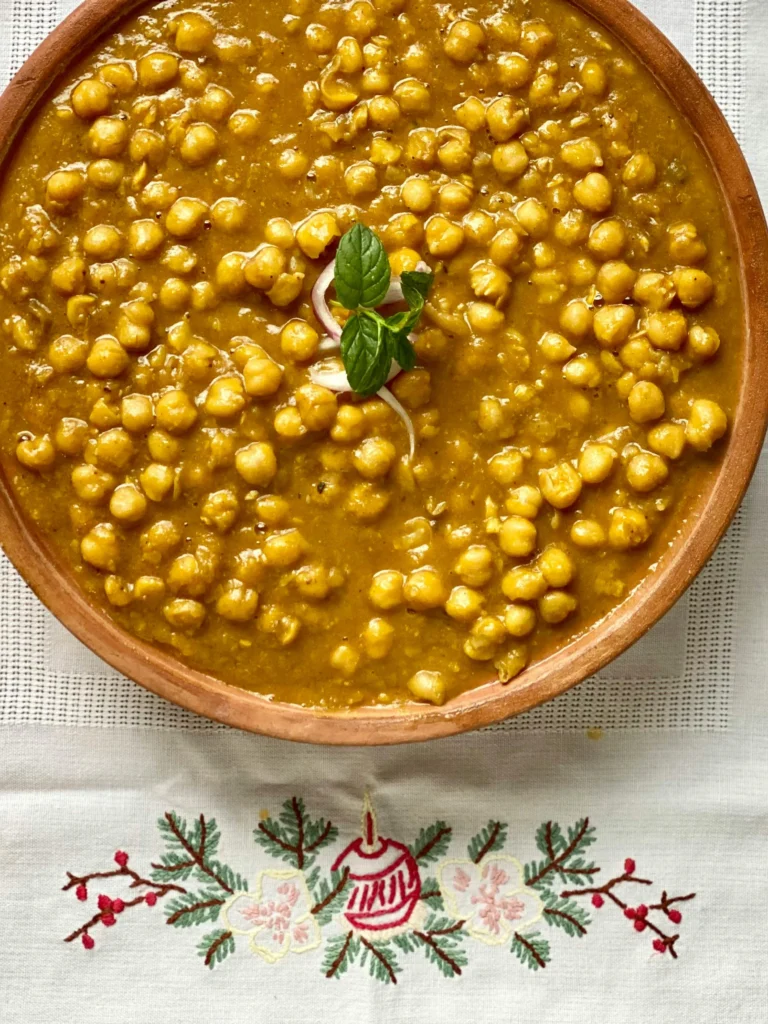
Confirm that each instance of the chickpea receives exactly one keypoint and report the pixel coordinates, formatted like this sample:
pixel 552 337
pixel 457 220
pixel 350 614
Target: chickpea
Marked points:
pixel 374 458
pixel 292 164
pixel 103 242
pixel 455 197
pixel 361 19
pixel 349 425
pixel 582 372
pixel 68 277
pixel 404 229
pixel 505 119
pixel 367 502
pixel 150 589
pixel 104 414
pixel 519 619
pixel 175 412
pixel 403 259
pixel 36 452
pixel 264 267
pixel 471 114
pixel 100 547
pixel 91 484
pixel 524 501
pixel 582 154
pixel 317 406
pixel 639 172
pixel 262 377
pixel 513 70
pixel 91 98
pixel 646 402
pixel 107 358
pixel 237 602
pixel 114 449
pixel 667 439
pixel 555 348
pixel 484 318
pixel 430 687
pixel 576 318
pixel 475 566
pixel 424 589
pixel 485 636
pixel 594 192
pixel 656 291
pixel 299 341
pixel 413 96
pixel 505 247
pixel 509 160
pixel 360 178
pixel 345 658
pixel 556 606
pixel 421 147
pixel 464 604
pixel 184 613
pixel 478 227
pixel 316 234
pixel 629 528
pixel 216 103
pixel 157 70
pixel 685 246
pixel 65 187
pixel 158 195
pixel 613 324
pixel 175 294
pixel 596 462
pixel 378 637
pixel 226 397
pixel 285 547
pixel 279 232
pixel 524 583
pixel 489 281
pixel 517 537
pixel 287 423
pixel 67 354
pixel 157 481
pixel 386 590
pixel 230 274
pixel 694 287
pixel 194 32
pixel 615 281
pixel 146 145
pixel 464 41
pixel 444 238
pixel 587 533
pixel 384 153
pixel 706 424
pixel 108 136
pixel 608 238
pixel 70 435
pixel 646 471
pixel 593 78
pixel 128 504
pixel 560 485
pixel 137 413
pixel 199 145
pixel 145 238
pixel 703 342
pixel 220 510
pixel 506 467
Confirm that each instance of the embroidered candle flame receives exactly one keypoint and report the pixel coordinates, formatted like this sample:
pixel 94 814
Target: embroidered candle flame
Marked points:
pixel 387 884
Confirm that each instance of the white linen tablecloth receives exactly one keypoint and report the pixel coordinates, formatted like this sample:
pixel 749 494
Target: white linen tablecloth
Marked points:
pixel 201 873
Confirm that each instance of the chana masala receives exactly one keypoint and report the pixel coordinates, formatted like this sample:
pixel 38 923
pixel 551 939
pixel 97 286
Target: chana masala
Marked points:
pixel 357 352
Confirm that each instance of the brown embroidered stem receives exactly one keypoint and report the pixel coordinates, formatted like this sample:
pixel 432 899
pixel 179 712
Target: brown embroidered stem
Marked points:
pixel 445 957
pixel 531 949
pixel 340 958
pixel 605 890
pixel 178 914
pixel 96 919
pixel 333 893
pixel 432 842
pixel 489 844
pixel 668 901
pixel 214 946
pixel 161 887
pixel 320 839
pixel 429 894
pixel 300 827
pixel 455 927
pixel 381 958
pixel 555 862
pixel 274 839
pixel 197 856
pixel 568 917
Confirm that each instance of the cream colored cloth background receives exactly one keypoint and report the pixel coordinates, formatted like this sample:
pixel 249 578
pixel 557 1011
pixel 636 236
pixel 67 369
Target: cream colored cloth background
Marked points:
pixel 666 752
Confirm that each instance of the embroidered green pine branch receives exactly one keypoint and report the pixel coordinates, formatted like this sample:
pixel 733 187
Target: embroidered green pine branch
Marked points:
pixel 442 940
pixel 193 908
pixel 531 950
pixel 565 914
pixel 381 959
pixel 431 895
pixel 487 840
pixel 431 843
pixel 329 895
pixel 563 855
pixel 340 953
pixel 295 837
pixel 190 851
pixel 215 947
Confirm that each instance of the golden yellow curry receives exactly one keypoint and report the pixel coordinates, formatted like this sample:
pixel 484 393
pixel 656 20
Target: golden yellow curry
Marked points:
pixel 178 416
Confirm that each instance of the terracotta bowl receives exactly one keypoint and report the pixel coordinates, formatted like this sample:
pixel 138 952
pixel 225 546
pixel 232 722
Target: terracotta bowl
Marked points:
pixel 707 520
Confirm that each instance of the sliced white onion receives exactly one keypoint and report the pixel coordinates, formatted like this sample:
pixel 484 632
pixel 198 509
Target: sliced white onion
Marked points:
pixel 320 305
pixel 386 395
pixel 329 345
pixel 330 374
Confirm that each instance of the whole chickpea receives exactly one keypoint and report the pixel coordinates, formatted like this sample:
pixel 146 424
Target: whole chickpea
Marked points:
pixel 108 136
pixel 706 424
pixel 264 267
pixel 299 341
pixel 430 687
pixel 475 566
pixel 646 402
pixel 175 412
pixel 556 606
pixel 509 160
pixel 107 357
pixel 316 233
pixel 360 178
pixel 596 463
pixel 284 547
pixel 517 537
pixel 703 342
pixel 100 547
pixel 464 604
pixel 92 484
pixel 127 504
pixel 67 353
pixel 694 287
pixel 374 458
pixel 444 238
pixel 237 602
pixel 157 481
pixel 424 589
pixel 667 439
pixel 70 435
pixel 513 70
pixel 646 471
pixel 587 533
pixel 36 453
pixel 262 376
pixel 629 528
pixel 378 638
pixel 594 192
pixel 194 32
pixel 64 187
pixel 157 70
pixel 560 485
pixel 464 41
pixel 229 214
pixel 613 324
pixel 91 98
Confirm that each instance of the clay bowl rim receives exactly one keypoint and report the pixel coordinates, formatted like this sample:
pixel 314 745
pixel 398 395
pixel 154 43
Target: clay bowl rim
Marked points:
pixel 162 674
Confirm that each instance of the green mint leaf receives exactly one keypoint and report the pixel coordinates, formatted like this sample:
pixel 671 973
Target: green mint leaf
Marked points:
pixel 403 351
pixel 362 271
pixel 366 353
pixel 416 285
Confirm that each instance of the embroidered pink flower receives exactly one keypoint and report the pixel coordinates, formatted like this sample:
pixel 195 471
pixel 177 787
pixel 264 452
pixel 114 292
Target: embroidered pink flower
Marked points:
pixel 490 897
pixel 276 915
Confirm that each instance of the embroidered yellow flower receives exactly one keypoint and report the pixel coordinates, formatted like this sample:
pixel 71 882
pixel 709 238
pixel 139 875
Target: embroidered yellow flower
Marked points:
pixel 491 897
pixel 277 915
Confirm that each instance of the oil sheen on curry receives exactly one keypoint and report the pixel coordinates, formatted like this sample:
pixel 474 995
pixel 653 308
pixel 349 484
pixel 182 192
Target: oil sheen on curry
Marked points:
pixel 164 221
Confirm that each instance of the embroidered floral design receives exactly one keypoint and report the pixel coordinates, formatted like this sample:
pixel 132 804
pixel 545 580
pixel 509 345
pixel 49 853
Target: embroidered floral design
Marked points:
pixel 277 916
pixel 491 898
pixel 377 902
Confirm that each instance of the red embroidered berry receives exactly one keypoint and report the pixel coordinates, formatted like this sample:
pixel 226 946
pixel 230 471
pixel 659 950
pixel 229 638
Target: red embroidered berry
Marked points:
pixel 150 899
pixel 121 858
pixel 108 920
pixel 640 924
pixel 659 945
pixel 631 913
pixel 629 866
pixel 105 903
pixel 117 906
pixel 88 941
pixel 642 910
pixel 597 900
pixel 674 916
pixel 82 893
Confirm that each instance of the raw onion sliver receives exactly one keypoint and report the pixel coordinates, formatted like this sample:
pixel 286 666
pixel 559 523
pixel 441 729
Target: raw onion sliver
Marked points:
pixel 320 305
pixel 386 395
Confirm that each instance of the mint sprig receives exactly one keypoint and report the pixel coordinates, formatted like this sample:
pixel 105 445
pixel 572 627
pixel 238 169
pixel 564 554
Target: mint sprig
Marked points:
pixel 370 341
